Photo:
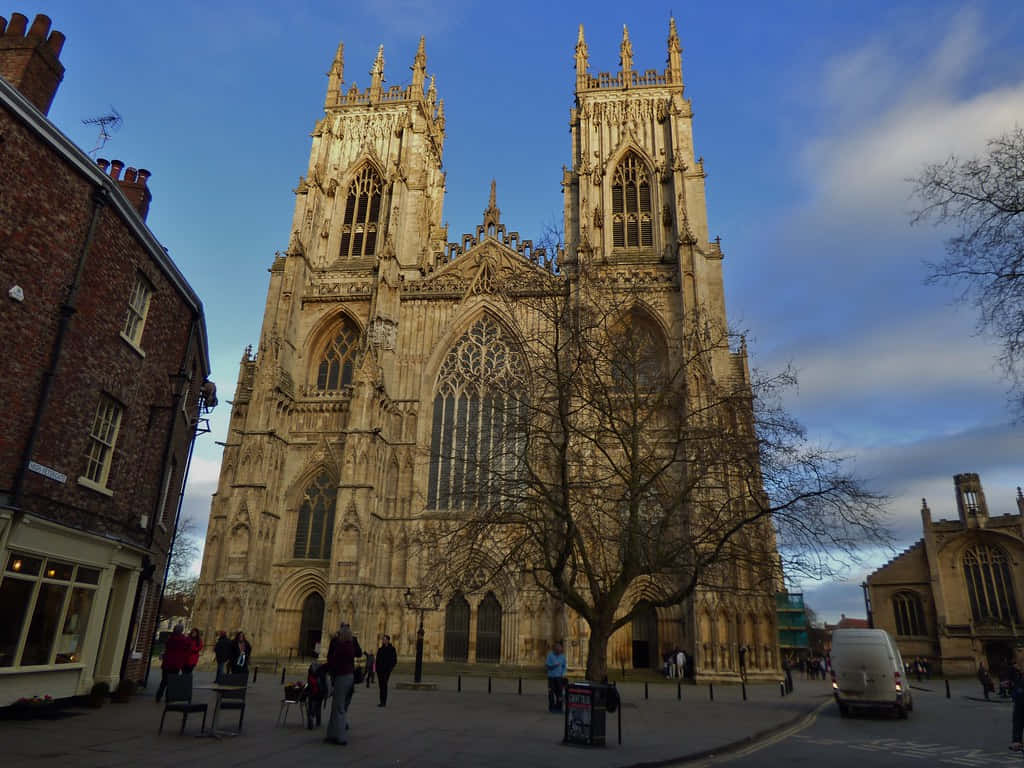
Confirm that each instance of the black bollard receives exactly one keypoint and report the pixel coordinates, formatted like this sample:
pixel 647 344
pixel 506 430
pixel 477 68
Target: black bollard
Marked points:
pixel 782 688
pixel 711 692
pixel 520 686
pixel 947 689
pixel 488 683
pixel 679 691
pixel 744 687
pixel 460 684
pixel 645 690
pixel 283 670
pixel 255 673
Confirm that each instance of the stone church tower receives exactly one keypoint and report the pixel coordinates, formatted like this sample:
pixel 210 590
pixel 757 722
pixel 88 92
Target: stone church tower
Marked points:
pixel 336 415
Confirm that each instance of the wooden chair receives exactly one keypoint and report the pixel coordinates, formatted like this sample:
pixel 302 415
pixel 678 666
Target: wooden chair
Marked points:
pixel 235 699
pixel 179 699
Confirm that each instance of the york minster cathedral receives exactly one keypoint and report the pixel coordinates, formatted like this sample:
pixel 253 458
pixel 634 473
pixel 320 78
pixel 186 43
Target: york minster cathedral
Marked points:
pixel 334 451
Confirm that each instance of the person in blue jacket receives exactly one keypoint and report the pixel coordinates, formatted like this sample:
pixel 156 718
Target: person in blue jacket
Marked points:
pixel 556 666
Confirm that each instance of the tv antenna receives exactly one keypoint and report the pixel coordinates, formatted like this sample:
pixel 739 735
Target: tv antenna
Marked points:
pixel 108 124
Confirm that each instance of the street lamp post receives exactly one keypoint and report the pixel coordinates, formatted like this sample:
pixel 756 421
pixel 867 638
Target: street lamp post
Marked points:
pixel 428 602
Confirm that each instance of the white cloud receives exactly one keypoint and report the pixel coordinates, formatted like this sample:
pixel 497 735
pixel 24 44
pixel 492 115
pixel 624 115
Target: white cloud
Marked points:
pixel 889 115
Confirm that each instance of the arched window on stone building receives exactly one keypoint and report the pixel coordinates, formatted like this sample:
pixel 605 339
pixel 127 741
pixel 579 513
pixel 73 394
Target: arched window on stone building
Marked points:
pixel 639 358
pixel 990 584
pixel 361 224
pixel 632 224
pixel 339 358
pixel 906 606
pixel 472 443
pixel 315 527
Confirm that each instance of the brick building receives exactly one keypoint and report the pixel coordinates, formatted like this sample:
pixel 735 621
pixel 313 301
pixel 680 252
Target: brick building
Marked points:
pixel 105 381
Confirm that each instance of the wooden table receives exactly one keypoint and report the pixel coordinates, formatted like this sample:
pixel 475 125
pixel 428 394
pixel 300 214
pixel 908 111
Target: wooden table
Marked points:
pixel 219 689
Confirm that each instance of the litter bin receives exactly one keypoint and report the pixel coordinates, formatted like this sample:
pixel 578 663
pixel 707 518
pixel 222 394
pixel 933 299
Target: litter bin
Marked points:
pixel 585 707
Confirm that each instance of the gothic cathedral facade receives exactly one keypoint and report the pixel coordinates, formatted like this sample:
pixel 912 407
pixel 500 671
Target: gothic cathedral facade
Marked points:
pixel 327 463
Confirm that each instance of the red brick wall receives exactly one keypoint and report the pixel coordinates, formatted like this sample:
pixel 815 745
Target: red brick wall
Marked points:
pixel 29 58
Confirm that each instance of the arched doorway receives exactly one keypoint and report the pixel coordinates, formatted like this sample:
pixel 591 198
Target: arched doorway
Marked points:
pixel 645 637
pixel 312 624
pixel 488 630
pixel 456 629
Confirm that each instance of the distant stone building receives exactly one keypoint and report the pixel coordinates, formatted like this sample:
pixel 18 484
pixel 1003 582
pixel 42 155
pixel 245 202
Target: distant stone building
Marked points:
pixel 342 420
pixel 954 596
pixel 104 382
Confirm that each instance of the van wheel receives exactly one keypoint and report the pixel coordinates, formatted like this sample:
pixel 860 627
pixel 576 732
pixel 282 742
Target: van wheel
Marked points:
pixel 901 712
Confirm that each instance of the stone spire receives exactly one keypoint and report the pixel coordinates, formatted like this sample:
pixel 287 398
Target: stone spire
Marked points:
pixel 419 68
pixel 582 61
pixel 335 78
pixel 492 215
pixel 432 92
pixel 675 57
pixel 377 75
pixel 439 120
pixel 626 54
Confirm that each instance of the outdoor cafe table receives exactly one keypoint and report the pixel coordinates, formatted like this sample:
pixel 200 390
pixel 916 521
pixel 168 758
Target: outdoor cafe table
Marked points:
pixel 219 689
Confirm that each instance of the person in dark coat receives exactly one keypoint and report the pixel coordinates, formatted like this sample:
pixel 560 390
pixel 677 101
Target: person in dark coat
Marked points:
pixel 317 689
pixel 386 660
pixel 222 652
pixel 1016 691
pixel 341 664
pixel 241 650
pixel 175 657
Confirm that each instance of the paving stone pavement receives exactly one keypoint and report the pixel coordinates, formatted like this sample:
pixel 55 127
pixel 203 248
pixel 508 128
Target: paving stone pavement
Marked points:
pixel 417 728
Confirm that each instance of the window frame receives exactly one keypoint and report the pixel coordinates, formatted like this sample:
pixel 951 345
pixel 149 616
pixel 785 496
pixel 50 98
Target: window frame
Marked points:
pixel 632 173
pixel 995 586
pixel 38 580
pixel 911 617
pixel 108 443
pixel 136 317
pixel 362 220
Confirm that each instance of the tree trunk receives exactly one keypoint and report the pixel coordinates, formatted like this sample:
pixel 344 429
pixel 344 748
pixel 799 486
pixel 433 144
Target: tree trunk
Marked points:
pixel 597 652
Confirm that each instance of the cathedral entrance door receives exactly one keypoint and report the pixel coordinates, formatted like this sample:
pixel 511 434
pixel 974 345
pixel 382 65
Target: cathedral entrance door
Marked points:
pixel 456 629
pixel 998 654
pixel 645 637
pixel 312 624
pixel 488 630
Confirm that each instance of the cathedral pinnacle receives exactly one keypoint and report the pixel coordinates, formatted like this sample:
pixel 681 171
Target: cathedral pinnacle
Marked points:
pixel 419 67
pixel 675 61
pixel 335 77
pixel 432 92
pixel 582 61
pixel 377 75
pixel 626 51
pixel 492 216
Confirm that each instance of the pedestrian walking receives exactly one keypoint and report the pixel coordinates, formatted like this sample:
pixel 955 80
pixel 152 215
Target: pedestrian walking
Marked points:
pixel 1017 694
pixel 386 660
pixel 222 653
pixel 680 663
pixel 341 665
pixel 241 650
pixel 743 662
pixel 174 659
pixel 371 667
pixel 985 679
pixel 556 666
pixel 195 640
pixel 317 689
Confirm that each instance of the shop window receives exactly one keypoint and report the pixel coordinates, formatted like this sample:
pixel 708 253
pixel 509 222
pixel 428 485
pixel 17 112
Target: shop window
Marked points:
pixel 46 606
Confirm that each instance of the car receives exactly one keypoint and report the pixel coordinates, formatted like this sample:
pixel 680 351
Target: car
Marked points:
pixel 867 671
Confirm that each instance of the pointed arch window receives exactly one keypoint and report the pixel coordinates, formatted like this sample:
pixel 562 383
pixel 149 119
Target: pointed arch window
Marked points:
pixel 990 584
pixel 632 225
pixel 906 606
pixel 315 527
pixel 362 215
pixel 640 354
pixel 339 358
pixel 472 445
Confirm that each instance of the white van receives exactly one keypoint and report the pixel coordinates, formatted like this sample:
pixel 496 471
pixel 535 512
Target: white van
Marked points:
pixel 867 671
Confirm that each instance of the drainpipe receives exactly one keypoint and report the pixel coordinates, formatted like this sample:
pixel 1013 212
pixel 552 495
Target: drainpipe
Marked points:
pixel 100 198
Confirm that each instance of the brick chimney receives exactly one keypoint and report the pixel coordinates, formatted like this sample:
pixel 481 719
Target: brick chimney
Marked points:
pixel 30 61
pixel 133 184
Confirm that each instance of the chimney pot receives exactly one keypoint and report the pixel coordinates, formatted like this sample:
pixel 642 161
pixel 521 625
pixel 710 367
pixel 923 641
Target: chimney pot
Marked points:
pixel 144 176
pixel 102 163
pixel 55 42
pixel 115 169
pixel 131 175
pixel 40 28
pixel 17 24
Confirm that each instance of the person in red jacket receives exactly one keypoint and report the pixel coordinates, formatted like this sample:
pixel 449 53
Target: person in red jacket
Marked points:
pixel 195 639
pixel 175 657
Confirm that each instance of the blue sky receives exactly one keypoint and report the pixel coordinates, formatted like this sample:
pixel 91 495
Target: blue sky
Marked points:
pixel 810 116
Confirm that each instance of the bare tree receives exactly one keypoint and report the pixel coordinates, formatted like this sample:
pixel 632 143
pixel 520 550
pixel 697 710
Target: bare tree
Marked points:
pixel 180 591
pixel 983 198
pixel 612 465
